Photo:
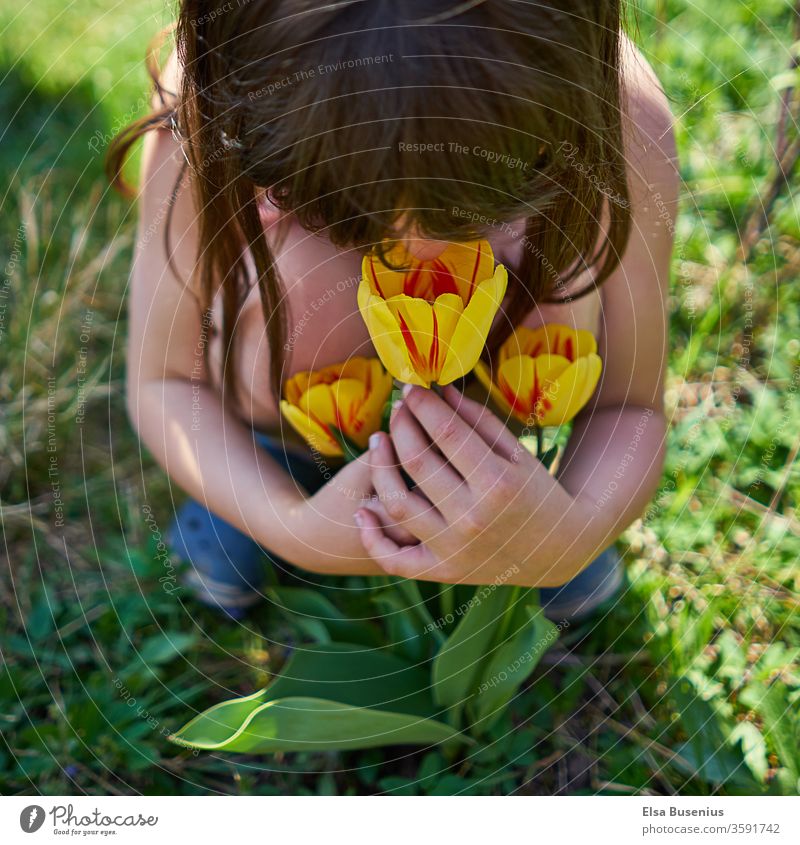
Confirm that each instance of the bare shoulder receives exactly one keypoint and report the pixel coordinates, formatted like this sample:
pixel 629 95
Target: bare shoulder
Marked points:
pixel 649 136
pixel 633 339
pixel 169 80
pixel 166 200
pixel 163 158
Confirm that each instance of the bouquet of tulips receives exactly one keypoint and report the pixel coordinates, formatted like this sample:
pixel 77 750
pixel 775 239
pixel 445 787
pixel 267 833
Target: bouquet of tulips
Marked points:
pixel 446 663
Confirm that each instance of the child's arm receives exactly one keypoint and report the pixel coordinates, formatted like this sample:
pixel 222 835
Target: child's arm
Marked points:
pixel 497 513
pixel 204 448
pixel 615 454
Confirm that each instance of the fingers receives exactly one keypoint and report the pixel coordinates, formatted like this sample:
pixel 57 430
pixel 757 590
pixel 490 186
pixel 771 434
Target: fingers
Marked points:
pixel 391 557
pixel 490 427
pixel 463 447
pixel 429 470
pixel 397 532
pixel 404 506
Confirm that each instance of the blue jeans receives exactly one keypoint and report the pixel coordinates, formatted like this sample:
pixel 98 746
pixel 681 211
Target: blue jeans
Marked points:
pixel 227 567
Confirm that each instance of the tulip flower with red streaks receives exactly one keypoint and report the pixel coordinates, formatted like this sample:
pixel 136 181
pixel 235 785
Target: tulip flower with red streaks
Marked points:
pixel 429 322
pixel 544 376
pixel 336 408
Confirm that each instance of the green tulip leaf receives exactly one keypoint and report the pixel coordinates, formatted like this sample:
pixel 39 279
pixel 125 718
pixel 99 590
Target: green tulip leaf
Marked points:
pixel 408 631
pixel 350 449
pixel 315 614
pixel 405 635
pixel 458 665
pixel 512 661
pixel 410 591
pixel 356 675
pixel 411 627
pixel 219 722
pixel 314 724
pixel 329 697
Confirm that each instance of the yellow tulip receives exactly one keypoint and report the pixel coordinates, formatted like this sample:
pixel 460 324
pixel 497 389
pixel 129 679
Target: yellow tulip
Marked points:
pixel 430 322
pixel 350 396
pixel 544 376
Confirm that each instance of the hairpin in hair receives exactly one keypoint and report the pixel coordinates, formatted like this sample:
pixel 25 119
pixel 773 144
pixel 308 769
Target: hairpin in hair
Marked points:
pixel 229 143
pixel 177 134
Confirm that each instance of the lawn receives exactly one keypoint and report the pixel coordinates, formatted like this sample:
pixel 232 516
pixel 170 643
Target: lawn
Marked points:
pixel 690 685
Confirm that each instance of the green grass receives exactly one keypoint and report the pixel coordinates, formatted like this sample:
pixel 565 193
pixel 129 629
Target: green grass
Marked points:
pixel 691 685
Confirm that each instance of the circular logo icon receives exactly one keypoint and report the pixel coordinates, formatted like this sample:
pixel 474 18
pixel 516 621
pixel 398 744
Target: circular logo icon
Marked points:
pixel 31 818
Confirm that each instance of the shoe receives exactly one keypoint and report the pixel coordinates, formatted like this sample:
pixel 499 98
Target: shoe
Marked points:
pixel 587 592
pixel 223 567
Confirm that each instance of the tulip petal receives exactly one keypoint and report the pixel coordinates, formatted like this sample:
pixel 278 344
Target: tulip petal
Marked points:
pixel 386 337
pixel 482 372
pixel 296 386
pixel 310 430
pixel 473 326
pixel 364 292
pixel 516 379
pixel 470 264
pixel 415 318
pixel 552 339
pixel 318 403
pixel 348 396
pixel 380 388
pixel 376 377
pixel 447 309
pixel 457 270
pixel 574 388
pixel 382 280
pixel 357 367
pixel 529 385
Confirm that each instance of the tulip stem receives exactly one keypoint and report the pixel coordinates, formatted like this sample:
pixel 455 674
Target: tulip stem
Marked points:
pixel 539 441
pixel 446 600
pixel 505 621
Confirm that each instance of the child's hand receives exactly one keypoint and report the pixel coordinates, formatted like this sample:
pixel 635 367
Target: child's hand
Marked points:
pixel 484 508
pixel 322 530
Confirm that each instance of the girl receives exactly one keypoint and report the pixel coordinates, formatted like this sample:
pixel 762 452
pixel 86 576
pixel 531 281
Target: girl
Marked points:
pixel 289 138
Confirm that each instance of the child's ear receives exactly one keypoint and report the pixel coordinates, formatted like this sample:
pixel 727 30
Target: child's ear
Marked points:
pixel 267 210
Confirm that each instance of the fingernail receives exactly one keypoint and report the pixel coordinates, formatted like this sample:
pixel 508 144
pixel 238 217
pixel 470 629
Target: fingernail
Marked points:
pixel 397 404
pixel 407 389
pixel 374 440
pixel 358 519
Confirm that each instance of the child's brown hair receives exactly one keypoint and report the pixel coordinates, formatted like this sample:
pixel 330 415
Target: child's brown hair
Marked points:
pixel 456 116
